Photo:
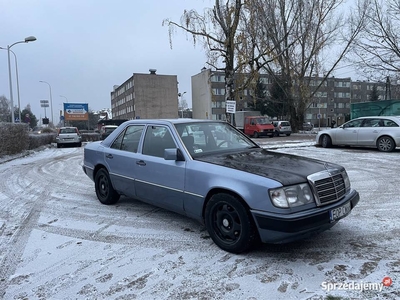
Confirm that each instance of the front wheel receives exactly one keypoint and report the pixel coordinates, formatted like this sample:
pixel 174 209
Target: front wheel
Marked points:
pixel 230 223
pixel 256 135
pixel 326 141
pixel 104 189
pixel 385 144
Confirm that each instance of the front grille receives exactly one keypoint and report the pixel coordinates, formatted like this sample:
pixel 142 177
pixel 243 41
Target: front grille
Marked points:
pixel 329 187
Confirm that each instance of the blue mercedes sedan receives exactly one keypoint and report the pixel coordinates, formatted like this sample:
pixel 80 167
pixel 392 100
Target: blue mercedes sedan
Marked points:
pixel 210 171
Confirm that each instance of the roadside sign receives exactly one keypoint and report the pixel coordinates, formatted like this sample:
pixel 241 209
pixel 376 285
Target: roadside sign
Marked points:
pixel 76 111
pixel 230 106
pixel 319 116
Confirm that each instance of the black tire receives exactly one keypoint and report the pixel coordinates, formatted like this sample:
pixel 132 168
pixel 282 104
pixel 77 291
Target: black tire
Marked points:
pixel 230 224
pixel 326 141
pixel 276 133
pixel 58 145
pixel 385 144
pixel 80 144
pixel 256 135
pixel 287 134
pixel 104 189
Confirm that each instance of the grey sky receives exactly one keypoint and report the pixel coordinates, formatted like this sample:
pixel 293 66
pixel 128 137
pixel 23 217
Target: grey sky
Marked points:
pixel 84 47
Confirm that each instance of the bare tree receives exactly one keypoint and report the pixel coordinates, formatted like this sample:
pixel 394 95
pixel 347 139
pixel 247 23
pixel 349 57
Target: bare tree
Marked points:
pixel 217 30
pixel 377 51
pixel 5 113
pixel 299 34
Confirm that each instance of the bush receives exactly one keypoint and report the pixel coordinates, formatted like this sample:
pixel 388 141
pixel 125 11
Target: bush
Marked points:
pixel 14 138
pixel 37 140
pixel 90 136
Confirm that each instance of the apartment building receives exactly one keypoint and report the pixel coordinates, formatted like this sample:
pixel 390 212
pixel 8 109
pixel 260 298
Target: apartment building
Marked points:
pixel 331 102
pixel 146 96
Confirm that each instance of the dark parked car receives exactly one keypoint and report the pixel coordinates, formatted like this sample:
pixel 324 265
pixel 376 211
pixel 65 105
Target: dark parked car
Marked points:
pixel 308 126
pixel 210 171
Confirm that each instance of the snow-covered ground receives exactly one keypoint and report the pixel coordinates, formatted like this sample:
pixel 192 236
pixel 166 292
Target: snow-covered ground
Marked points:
pixel 58 242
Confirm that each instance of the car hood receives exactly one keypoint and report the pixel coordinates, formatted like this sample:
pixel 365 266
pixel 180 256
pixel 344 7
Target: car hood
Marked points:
pixel 284 168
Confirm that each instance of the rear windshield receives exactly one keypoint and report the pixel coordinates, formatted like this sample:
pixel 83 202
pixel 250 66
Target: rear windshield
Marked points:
pixel 68 130
pixel 285 124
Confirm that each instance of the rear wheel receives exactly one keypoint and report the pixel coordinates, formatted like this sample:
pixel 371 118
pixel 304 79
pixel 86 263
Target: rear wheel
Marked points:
pixel 385 144
pixel 287 134
pixel 230 223
pixel 104 189
pixel 326 141
pixel 256 135
pixel 276 133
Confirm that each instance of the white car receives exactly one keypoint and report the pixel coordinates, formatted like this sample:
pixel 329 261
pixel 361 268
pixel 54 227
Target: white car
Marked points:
pixel 68 136
pixel 382 132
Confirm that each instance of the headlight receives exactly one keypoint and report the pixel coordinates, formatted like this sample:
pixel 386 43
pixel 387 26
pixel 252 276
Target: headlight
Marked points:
pixel 291 196
pixel 346 180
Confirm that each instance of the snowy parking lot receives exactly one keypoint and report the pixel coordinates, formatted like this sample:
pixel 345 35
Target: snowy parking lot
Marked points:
pixel 58 242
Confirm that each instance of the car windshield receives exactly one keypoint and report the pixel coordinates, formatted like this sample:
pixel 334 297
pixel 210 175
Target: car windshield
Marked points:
pixel 109 130
pixel 207 137
pixel 263 121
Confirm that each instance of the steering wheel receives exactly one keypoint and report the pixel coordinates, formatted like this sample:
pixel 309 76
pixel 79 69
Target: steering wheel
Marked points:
pixel 223 142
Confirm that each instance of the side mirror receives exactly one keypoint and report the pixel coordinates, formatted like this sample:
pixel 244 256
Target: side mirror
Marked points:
pixel 173 154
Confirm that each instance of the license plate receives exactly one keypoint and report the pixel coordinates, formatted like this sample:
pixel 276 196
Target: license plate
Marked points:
pixel 340 212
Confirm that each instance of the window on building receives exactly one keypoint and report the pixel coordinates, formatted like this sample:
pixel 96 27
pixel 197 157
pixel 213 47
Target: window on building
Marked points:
pixel 321 94
pixel 218 91
pixel 217 78
pixel 342 83
pixel 341 95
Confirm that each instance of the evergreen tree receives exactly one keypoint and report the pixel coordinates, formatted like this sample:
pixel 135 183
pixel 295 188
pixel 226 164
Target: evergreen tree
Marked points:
pixel 374 96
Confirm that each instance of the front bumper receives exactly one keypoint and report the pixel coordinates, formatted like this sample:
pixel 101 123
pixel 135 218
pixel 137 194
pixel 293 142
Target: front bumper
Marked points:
pixel 279 228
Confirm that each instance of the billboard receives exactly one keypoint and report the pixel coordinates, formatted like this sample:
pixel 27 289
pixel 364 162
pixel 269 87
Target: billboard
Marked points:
pixel 76 111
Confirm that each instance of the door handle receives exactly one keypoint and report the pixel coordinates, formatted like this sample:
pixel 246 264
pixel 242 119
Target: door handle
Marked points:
pixel 109 156
pixel 141 163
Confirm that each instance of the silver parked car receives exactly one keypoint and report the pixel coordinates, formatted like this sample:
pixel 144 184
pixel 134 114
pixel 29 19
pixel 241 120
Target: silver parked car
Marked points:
pixel 212 172
pixel 68 136
pixel 282 127
pixel 382 132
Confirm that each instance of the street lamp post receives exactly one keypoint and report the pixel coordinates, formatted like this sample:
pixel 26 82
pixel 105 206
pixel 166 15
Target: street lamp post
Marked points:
pixel 63 106
pixel 27 40
pixel 51 100
pixel 16 73
pixel 181 95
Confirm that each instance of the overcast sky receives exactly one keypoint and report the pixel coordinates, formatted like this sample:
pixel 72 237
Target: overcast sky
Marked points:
pixel 84 47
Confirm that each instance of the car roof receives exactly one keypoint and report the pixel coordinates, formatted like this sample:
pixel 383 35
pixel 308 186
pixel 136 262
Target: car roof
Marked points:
pixel 377 117
pixel 172 121
pixel 395 119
